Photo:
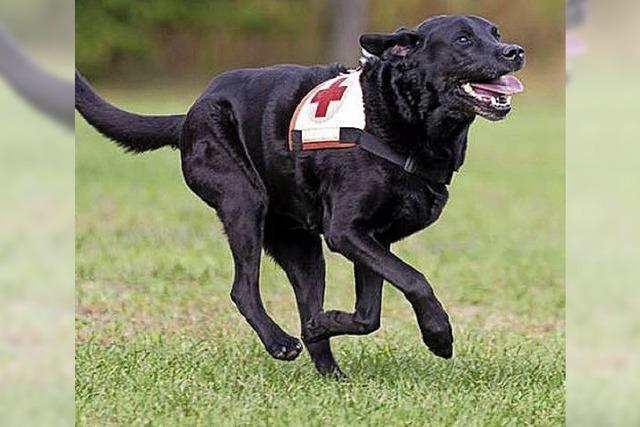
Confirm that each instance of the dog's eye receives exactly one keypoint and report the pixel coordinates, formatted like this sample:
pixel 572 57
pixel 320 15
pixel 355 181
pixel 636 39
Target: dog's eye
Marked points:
pixel 463 40
pixel 496 34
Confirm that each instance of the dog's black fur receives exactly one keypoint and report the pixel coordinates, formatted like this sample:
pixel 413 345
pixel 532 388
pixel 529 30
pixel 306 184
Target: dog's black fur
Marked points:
pixel 233 143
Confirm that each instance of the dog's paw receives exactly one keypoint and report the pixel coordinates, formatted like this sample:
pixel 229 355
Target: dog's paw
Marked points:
pixel 314 331
pixel 334 373
pixel 440 341
pixel 284 348
pixel 446 352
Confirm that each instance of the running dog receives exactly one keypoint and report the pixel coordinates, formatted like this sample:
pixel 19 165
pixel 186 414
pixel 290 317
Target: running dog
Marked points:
pixel 287 154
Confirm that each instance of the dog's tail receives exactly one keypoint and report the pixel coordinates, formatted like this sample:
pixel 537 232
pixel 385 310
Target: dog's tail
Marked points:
pixel 133 132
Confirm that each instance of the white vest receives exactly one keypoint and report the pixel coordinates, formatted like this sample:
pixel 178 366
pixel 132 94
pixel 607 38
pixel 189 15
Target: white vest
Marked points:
pixel 326 114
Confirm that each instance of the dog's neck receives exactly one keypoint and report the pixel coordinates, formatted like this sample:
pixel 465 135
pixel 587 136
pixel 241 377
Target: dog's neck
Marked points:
pixel 422 128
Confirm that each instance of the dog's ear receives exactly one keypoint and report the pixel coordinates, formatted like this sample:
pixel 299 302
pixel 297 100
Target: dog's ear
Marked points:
pixel 400 43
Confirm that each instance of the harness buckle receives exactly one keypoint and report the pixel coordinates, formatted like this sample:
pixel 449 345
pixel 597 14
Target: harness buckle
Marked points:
pixel 410 165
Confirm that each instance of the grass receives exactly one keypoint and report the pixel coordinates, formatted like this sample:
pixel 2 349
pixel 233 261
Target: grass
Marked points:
pixel 159 342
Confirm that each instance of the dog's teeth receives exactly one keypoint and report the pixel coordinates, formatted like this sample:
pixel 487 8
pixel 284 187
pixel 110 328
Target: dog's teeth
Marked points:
pixel 467 88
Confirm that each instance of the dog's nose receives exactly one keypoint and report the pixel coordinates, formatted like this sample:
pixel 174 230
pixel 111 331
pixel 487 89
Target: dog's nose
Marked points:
pixel 513 52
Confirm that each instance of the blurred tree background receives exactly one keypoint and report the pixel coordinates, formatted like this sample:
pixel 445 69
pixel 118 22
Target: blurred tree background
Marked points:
pixel 44 24
pixel 127 40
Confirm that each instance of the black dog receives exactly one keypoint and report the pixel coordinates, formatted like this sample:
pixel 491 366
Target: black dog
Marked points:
pixel 422 88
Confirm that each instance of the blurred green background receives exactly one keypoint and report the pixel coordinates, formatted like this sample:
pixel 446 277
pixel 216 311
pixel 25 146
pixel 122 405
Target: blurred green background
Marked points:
pixel 603 319
pixel 44 25
pixel 149 40
pixel 36 229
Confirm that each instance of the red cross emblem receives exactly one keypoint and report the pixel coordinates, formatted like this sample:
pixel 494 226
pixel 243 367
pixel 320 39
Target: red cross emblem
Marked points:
pixel 324 97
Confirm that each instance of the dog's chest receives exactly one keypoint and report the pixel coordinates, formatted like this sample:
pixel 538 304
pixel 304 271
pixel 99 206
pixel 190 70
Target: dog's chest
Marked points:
pixel 412 211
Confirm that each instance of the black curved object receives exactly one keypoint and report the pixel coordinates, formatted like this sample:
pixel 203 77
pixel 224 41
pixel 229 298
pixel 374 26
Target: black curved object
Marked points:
pixel 49 94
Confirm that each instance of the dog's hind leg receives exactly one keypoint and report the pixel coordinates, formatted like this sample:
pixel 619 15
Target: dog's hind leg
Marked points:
pixel 300 256
pixel 216 170
pixel 364 320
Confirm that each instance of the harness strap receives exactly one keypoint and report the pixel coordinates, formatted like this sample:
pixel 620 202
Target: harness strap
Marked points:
pixel 342 138
pixel 429 171
pixel 352 137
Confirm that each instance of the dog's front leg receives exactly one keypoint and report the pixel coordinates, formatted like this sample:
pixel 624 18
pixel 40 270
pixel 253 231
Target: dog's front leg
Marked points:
pixel 360 247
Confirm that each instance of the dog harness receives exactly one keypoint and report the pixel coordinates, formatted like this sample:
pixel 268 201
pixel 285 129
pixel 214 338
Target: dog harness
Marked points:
pixel 331 116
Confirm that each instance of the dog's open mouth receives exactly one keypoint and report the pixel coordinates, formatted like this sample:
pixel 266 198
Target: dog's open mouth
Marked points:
pixel 492 99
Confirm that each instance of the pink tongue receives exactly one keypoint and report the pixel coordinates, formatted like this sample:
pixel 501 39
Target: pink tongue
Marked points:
pixel 505 85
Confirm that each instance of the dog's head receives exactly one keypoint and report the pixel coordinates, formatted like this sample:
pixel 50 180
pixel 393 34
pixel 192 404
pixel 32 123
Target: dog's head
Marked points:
pixel 456 62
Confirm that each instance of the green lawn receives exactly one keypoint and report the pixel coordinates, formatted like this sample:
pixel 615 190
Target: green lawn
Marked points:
pixel 159 341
